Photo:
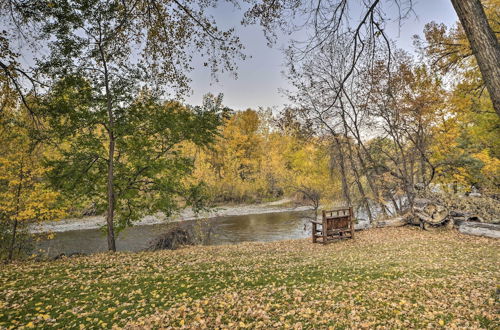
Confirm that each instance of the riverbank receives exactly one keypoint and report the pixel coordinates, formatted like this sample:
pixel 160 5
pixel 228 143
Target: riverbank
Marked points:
pixel 95 222
pixel 391 277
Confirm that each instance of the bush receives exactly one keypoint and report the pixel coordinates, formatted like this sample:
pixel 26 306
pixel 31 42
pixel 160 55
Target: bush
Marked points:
pixel 197 232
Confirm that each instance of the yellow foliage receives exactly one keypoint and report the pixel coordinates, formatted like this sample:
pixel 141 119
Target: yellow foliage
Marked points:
pixel 251 161
pixel 491 167
pixel 24 196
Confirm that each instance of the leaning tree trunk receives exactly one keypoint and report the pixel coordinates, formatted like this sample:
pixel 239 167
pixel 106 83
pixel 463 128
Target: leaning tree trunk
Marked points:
pixel 484 44
pixel 343 172
pixel 354 169
pixel 357 177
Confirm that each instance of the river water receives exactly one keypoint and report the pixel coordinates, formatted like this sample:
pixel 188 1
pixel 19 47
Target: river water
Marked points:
pixel 225 230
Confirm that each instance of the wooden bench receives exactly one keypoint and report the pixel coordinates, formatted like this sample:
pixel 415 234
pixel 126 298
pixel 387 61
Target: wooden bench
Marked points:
pixel 335 224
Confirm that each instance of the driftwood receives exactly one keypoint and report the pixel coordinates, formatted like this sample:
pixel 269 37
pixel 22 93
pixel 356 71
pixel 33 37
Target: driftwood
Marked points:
pixel 480 229
pixel 183 233
pixel 468 214
pixel 474 207
pixel 172 239
pixel 434 212
pixel 427 213
pixel 398 221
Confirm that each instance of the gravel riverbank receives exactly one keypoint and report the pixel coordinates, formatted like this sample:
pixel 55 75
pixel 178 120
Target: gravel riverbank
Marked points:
pixel 94 222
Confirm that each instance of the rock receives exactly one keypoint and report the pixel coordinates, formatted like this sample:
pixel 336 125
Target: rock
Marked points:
pixel 59 256
pixel 362 224
pixel 480 229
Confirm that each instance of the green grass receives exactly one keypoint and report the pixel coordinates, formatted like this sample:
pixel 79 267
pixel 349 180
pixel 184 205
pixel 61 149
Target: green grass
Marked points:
pixel 387 277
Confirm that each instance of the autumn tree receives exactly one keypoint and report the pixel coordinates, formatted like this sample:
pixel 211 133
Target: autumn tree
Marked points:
pixel 396 106
pixel 261 155
pixel 25 196
pixel 483 42
pixel 465 139
pixel 109 51
pixel 408 102
pixel 235 160
pixel 326 21
pixel 149 167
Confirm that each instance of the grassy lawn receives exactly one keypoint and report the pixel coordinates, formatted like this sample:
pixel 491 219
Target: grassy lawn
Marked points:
pixel 394 277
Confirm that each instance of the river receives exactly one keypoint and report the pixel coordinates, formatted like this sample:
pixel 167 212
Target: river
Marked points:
pixel 226 230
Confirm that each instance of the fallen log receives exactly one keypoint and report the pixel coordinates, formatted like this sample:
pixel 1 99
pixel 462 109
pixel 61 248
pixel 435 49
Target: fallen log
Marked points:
pixel 398 221
pixel 480 229
pixel 485 209
pixel 427 213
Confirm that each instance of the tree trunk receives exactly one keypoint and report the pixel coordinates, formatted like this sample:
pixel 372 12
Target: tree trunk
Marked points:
pixel 18 206
pixel 343 173
pixel 354 167
pixel 357 177
pixel 369 177
pixel 484 44
pixel 427 213
pixel 12 241
pixel 110 214
pixel 359 184
pixel 111 198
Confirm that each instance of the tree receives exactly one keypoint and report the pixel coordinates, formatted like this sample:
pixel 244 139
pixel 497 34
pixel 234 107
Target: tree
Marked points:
pixel 483 42
pixel 149 167
pixel 163 34
pixel 112 50
pixel 331 20
pixel 449 51
pixel 10 71
pixel 380 120
pixel 25 197
pixel 464 142
pixel 235 161
pixel 309 175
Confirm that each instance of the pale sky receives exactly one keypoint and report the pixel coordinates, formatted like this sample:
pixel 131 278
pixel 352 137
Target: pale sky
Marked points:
pixel 260 77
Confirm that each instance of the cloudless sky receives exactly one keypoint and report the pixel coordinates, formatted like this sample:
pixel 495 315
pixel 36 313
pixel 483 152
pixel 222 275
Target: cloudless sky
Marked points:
pixel 259 76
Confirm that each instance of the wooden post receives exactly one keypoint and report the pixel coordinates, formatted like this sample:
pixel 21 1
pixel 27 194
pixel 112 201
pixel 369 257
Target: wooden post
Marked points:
pixel 314 232
pixel 351 218
pixel 324 226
